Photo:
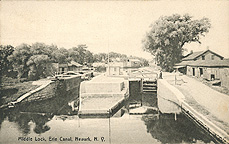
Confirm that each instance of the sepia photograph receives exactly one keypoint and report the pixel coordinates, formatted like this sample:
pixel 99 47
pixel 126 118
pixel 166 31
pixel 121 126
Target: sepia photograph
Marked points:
pixel 114 72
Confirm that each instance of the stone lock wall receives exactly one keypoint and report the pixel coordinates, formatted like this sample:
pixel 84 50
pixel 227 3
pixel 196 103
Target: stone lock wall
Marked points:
pixel 45 93
pixel 60 87
pixel 169 98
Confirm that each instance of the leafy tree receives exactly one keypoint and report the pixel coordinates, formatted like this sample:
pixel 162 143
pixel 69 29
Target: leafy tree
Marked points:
pixel 61 55
pixel 19 59
pixel 80 54
pixel 88 57
pixel 124 57
pixel 31 61
pixel 37 65
pixel 96 58
pixel 168 35
pixel 101 57
pixel 41 48
pixel 5 64
pixel 42 56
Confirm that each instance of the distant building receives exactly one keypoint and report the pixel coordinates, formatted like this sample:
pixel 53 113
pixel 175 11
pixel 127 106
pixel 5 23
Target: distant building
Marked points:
pixel 123 68
pixel 205 64
pixel 99 64
pixel 115 68
pixel 133 63
pixel 62 68
pixel 72 66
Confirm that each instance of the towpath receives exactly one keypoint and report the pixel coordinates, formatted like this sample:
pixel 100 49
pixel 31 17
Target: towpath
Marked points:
pixel 207 101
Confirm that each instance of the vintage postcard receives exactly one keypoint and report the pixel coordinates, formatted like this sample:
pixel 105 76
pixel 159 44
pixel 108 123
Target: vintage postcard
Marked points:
pixel 114 72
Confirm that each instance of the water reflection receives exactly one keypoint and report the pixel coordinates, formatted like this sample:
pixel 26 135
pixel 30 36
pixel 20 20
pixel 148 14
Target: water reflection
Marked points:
pixel 25 120
pixel 167 130
pixel 2 117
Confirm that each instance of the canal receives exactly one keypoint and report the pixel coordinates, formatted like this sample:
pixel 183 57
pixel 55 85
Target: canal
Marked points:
pixel 51 123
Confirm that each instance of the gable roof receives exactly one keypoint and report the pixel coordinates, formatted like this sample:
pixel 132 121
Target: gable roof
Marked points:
pixel 73 63
pixel 194 55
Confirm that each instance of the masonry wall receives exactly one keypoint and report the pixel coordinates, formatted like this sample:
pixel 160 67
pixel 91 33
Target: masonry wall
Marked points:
pixel 167 98
pixel 54 98
pixel 45 93
pixel 55 88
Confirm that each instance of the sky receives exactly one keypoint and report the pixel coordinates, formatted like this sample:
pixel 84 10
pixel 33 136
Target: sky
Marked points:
pixel 117 26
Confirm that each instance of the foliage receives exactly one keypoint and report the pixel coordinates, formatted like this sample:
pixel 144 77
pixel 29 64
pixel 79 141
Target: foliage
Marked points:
pixel 80 54
pixel 61 55
pixel 19 58
pixel 36 61
pixel 5 64
pixel 101 57
pixel 37 64
pixel 168 35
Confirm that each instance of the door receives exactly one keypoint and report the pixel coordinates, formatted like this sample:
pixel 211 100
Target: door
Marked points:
pixel 193 71
pixel 62 70
pixel 201 71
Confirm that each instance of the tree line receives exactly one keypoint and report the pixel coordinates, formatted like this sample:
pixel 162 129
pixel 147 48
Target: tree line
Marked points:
pixel 165 40
pixel 35 61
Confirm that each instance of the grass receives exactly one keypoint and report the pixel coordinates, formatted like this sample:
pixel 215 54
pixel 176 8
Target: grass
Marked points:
pixel 12 89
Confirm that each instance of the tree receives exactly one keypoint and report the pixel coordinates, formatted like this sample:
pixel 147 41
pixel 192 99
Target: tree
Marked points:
pixel 101 57
pixel 32 61
pixel 168 34
pixel 80 54
pixel 19 59
pixel 37 65
pixel 88 57
pixel 5 64
pixel 60 56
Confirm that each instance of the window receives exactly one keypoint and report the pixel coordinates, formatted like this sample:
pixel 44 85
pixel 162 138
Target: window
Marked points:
pixel 203 57
pixel 213 57
pixel 114 69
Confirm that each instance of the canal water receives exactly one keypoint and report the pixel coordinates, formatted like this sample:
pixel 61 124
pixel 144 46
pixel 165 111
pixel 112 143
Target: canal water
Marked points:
pixel 49 122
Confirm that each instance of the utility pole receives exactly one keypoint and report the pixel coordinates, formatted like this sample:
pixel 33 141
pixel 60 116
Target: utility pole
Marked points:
pixel 108 58
pixel 108 45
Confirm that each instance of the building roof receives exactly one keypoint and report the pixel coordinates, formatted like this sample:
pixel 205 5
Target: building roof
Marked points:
pixel 135 60
pixel 194 55
pixel 63 65
pixel 209 63
pixel 115 64
pixel 73 63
